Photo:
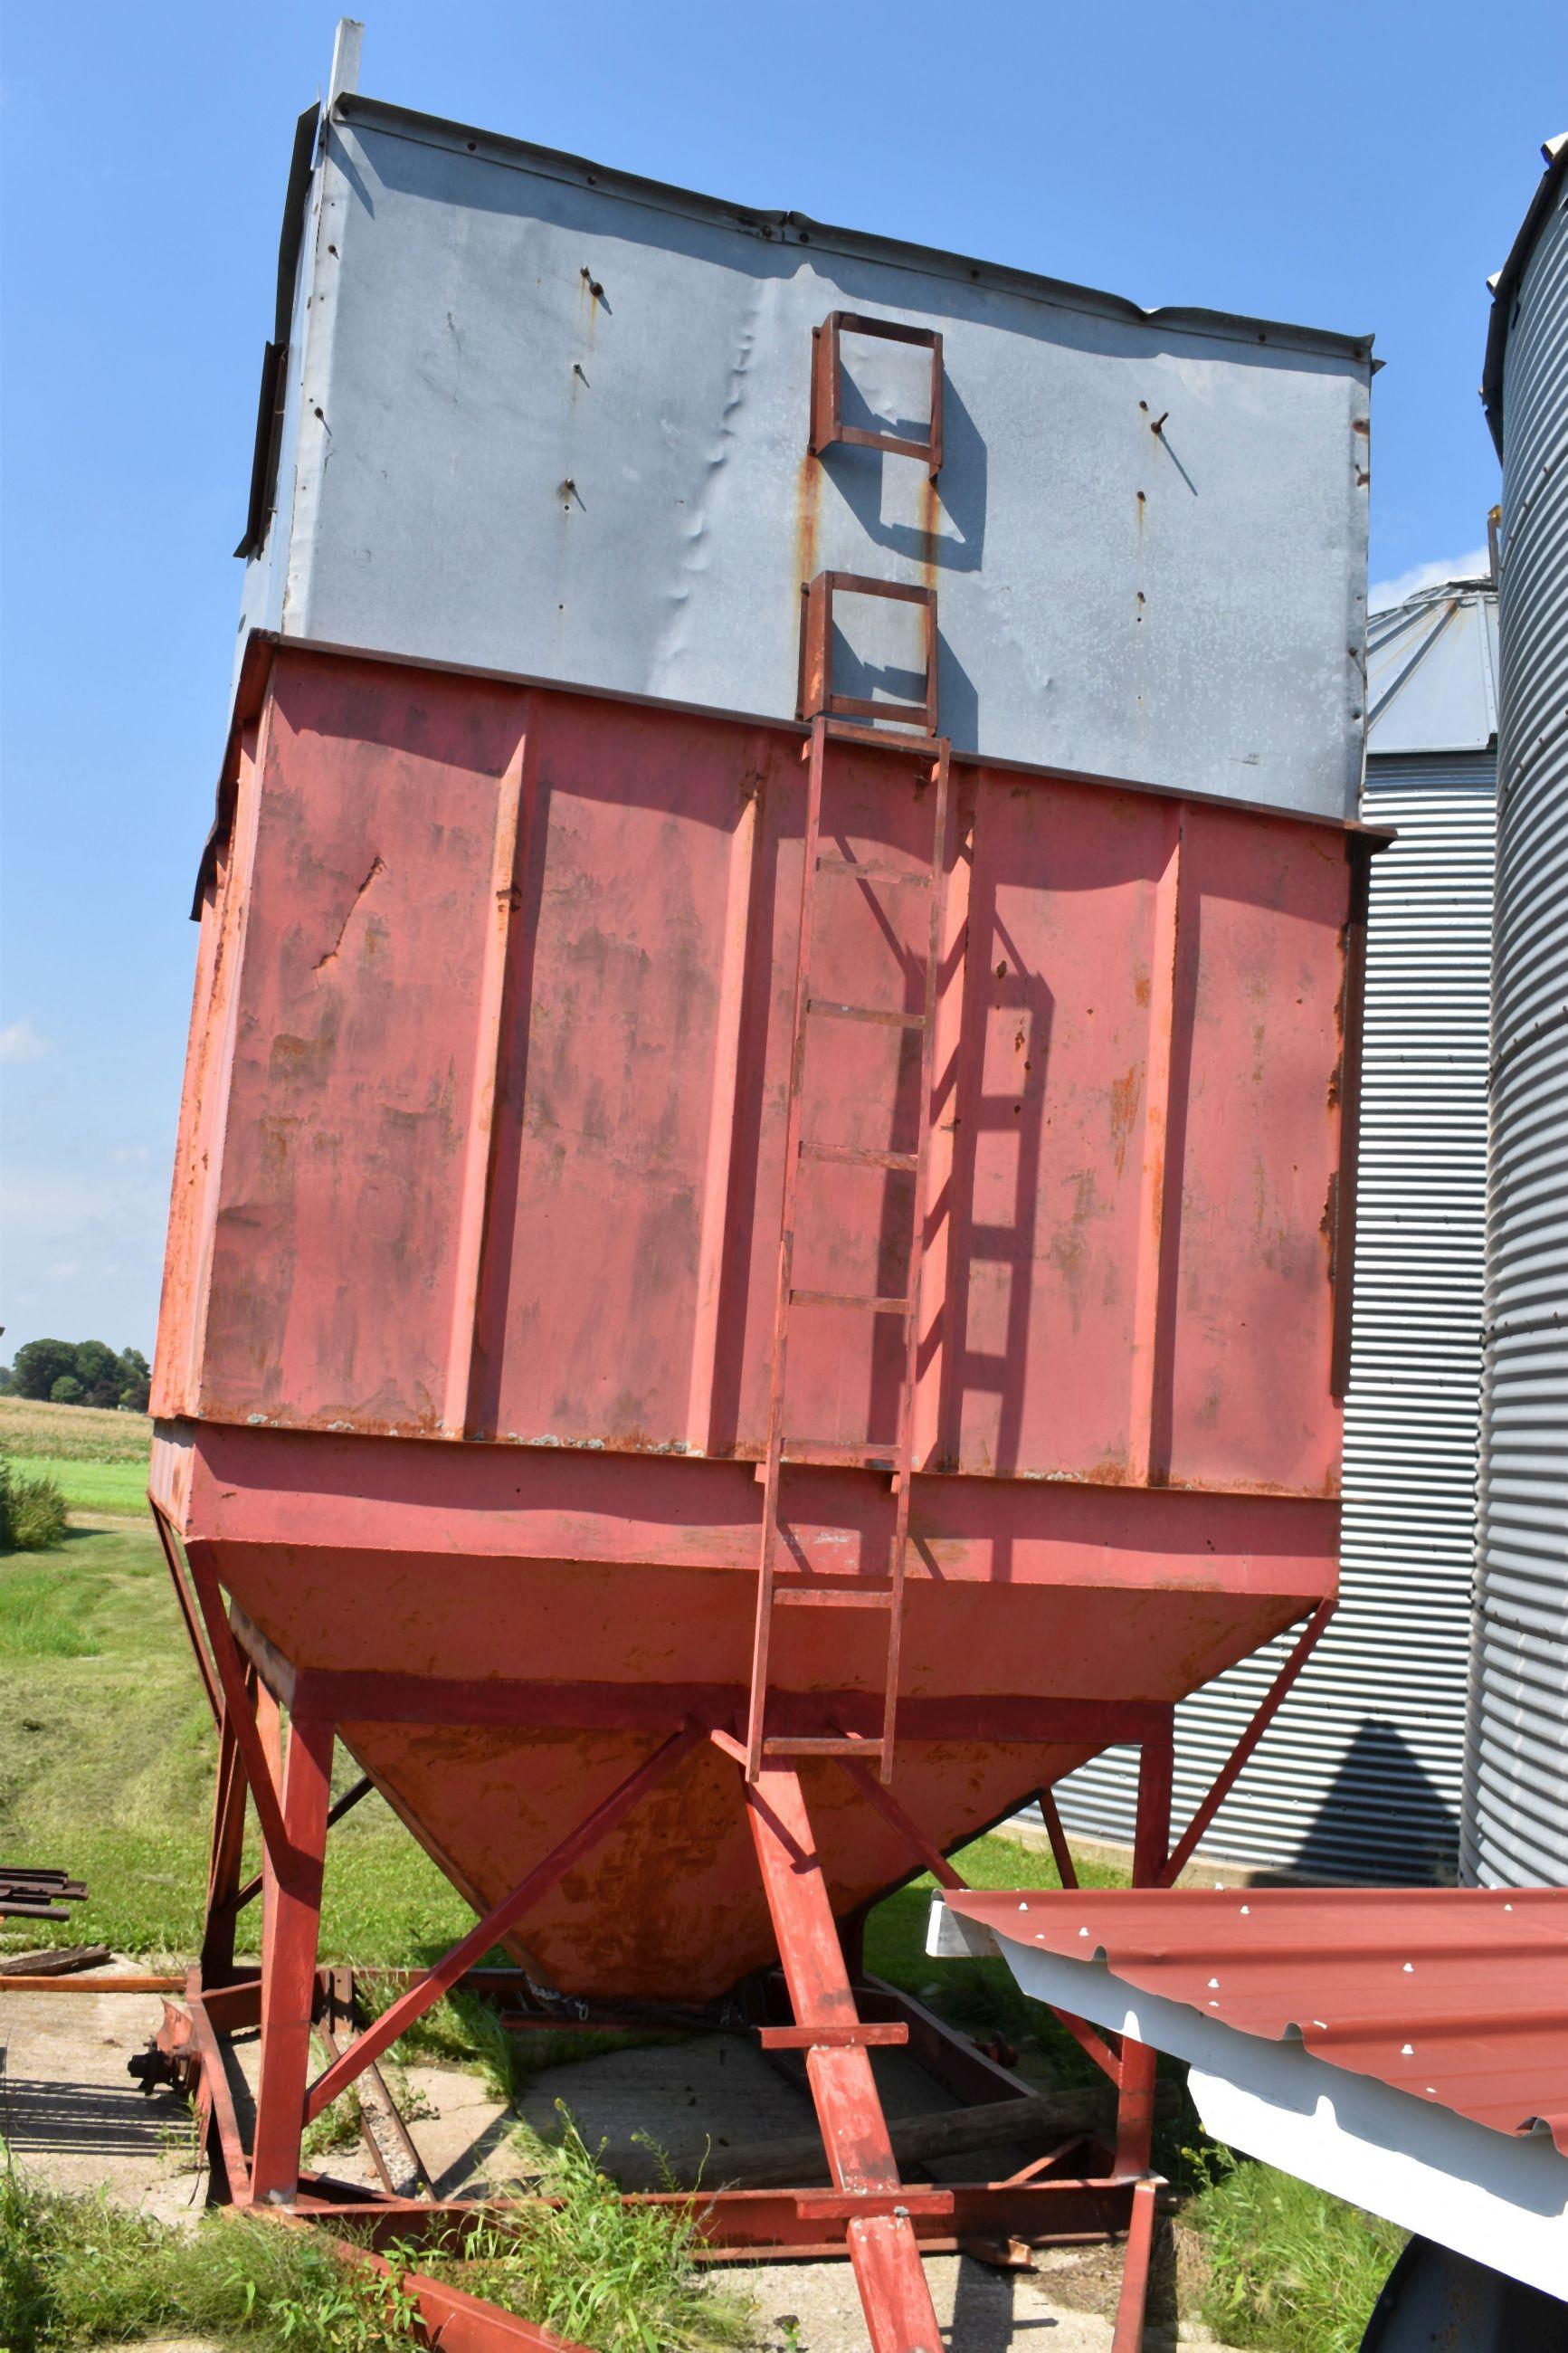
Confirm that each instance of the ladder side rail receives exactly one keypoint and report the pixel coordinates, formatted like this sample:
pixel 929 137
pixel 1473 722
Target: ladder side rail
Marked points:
pixel 816 760
pixel 905 1475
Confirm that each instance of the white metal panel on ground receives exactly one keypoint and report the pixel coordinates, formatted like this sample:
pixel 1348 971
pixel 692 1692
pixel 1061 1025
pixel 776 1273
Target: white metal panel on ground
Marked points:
pixel 1360 1775
pixel 1516 1794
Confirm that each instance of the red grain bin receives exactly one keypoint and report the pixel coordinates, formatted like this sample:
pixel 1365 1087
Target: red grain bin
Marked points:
pixel 530 1018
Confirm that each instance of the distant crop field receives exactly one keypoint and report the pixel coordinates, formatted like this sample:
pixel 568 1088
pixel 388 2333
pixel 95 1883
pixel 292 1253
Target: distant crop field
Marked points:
pixel 72 1433
pixel 89 1486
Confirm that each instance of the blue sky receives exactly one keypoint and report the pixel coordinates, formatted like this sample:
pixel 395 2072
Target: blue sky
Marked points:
pixel 1351 168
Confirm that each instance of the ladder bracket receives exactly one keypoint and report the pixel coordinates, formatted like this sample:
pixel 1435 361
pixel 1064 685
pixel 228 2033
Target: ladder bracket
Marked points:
pixel 827 424
pixel 818 696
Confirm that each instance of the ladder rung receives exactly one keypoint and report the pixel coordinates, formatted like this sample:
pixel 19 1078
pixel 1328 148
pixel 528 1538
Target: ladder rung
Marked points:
pixel 864 872
pixel 800 1596
pixel 815 1747
pixel 877 1306
pixel 926 748
pixel 837 1012
pixel 837 1451
pixel 878 2036
pixel 857 1155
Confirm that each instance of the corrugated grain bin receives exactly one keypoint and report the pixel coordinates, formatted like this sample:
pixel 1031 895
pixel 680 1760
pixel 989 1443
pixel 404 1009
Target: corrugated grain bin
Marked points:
pixel 470 1378
pixel 1515 1820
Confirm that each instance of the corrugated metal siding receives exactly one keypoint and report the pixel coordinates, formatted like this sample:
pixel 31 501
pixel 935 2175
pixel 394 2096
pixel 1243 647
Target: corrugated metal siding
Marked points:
pixel 1516 1797
pixel 1360 1775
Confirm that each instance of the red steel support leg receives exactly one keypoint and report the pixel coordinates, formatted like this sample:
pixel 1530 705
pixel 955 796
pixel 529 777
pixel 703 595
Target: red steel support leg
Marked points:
pixel 270 1753
pixel 1133 2303
pixel 1135 2109
pixel 1135 2104
pixel 882 2247
pixel 228 1856
pixel 235 1700
pixel 293 1902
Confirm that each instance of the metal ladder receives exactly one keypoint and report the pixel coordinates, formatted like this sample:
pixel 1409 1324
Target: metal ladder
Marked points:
pixel 787 1589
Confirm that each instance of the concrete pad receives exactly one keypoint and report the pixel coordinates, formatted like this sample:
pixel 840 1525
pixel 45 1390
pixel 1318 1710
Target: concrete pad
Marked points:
pixel 696 2099
pixel 979 2310
pixel 77 2121
pixel 72 2117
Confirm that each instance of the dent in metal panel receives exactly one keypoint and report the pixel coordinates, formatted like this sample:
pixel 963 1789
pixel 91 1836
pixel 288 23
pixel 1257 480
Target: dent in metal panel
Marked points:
pixel 565 434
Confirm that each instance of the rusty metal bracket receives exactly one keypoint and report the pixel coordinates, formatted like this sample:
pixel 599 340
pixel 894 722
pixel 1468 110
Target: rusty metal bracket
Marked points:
pixel 827 424
pixel 818 696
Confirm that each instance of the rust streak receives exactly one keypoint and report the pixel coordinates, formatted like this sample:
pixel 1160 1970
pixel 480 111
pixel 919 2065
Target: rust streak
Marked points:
pixel 1125 1093
pixel 930 531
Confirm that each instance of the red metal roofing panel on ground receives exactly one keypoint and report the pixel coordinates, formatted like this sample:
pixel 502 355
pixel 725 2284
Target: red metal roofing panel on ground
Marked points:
pixel 1459 1995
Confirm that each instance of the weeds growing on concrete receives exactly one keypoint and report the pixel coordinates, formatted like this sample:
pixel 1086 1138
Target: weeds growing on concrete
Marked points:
pixel 588 2265
pixel 77 2271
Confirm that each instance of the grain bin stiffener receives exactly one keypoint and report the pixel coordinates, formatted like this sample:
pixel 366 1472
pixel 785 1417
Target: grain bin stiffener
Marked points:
pixel 760 1244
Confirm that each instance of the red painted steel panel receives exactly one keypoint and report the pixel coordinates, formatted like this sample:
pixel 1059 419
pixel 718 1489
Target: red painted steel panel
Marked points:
pixel 483 1141
pixel 1068 1592
pixel 419 1156
pixel 1455 1994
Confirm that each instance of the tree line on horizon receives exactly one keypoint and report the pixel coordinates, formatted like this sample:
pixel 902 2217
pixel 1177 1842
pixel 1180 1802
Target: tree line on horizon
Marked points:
pixel 79 1372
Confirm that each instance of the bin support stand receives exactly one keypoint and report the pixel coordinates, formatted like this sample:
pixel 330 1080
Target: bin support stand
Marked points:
pixel 868 2213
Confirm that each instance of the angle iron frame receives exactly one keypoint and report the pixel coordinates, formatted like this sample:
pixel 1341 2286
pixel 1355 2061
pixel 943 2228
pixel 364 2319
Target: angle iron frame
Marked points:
pixel 868 2213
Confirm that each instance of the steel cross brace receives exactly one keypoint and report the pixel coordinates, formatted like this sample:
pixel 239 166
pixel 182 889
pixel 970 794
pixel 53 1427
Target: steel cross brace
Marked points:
pixel 235 1704
pixel 1224 1781
pixel 500 1921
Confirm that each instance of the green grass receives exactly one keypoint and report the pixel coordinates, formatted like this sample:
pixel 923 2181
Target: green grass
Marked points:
pixel 72 1433
pixel 1288 2267
pixel 119 1487
pixel 106 1753
pixel 77 2271
pixel 600 2272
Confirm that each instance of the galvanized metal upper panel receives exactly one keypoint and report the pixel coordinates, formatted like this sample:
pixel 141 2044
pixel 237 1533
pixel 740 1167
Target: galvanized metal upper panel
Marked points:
pixel 549 419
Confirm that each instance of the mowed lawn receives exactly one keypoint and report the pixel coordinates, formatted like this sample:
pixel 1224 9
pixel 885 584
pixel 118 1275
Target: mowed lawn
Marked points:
pixel 118 1487
pixel 107 1754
